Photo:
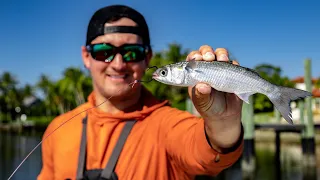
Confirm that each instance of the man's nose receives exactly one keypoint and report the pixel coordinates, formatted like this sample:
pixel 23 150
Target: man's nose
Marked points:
pixel 118 63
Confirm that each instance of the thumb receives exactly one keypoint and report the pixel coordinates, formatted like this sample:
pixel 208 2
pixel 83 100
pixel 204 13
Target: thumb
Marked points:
pixel 201 97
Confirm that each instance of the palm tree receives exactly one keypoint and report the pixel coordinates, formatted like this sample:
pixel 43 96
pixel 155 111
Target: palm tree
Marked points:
pixel 46 86
pixel 25 94
pixel 9 94
pixel 176 95
pixel 67 93
pixel 74 83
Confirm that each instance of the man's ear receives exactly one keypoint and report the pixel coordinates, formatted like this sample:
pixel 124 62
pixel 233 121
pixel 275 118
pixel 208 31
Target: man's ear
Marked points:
pixel 149 56
pixel 85 57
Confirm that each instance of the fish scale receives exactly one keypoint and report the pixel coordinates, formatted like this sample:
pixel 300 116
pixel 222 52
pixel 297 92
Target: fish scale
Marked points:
pixel 229 78
pixel 226 77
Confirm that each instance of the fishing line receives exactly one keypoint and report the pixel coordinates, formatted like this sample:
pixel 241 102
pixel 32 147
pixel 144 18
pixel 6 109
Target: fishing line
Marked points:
pixel 151 79
pixel 131 84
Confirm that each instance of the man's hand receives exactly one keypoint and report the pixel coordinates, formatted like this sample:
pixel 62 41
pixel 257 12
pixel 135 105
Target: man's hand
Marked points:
pixel 221 111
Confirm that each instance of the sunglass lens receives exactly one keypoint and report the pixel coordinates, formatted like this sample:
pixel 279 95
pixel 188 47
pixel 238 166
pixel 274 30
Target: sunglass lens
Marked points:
pixel 102 52
pixel 130 52
pixel 133 53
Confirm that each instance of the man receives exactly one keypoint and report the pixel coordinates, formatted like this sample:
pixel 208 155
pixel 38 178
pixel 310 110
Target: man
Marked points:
pixel 164 142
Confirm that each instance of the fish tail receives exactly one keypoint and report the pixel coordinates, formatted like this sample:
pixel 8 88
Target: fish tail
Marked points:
pixel 282 97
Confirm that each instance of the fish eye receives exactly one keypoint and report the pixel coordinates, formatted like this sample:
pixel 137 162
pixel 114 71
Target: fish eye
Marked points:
pixel 163 72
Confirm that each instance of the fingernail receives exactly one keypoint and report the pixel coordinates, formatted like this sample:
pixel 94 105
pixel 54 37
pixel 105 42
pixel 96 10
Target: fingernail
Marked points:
pixel 223 57
pixel 197 57
pixel 221 50
pixel 208 56
pixel 203 89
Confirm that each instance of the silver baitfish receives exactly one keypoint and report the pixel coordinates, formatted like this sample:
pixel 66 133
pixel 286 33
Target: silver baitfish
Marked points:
pixel 226 77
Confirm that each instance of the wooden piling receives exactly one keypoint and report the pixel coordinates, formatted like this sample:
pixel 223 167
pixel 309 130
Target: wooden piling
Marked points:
pixel 301 106
pixel 308 84
pixel 189 106
pixel 248 159
pixel 277 155
pixel 277 115
pixel 308 140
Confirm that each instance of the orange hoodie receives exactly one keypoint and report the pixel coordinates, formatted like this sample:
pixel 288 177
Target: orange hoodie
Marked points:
pixel 165 143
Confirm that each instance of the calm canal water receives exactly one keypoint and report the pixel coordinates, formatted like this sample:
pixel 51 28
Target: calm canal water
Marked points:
pixel 13 148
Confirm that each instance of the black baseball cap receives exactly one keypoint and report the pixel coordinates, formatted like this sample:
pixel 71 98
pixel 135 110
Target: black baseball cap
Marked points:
pixel 97 23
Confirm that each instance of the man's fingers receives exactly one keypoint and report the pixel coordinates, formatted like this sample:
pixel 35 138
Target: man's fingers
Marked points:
pixel 201 96
pixel 207 53
pixel 203 88
pixel 222 54
pixel 235 62
pixel 194 55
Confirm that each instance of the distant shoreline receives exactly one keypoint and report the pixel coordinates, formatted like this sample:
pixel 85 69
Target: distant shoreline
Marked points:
pixel 21 128
pixel 261 136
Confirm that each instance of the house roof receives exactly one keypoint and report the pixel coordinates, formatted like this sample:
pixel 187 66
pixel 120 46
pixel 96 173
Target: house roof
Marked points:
pixel 31 100
pixel 316 92
pixel 300 79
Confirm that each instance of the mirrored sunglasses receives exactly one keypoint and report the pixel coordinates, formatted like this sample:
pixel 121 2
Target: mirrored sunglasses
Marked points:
pixel 106 52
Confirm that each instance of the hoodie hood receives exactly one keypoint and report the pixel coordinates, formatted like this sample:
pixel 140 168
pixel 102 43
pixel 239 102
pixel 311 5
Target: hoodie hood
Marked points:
pixel 149 104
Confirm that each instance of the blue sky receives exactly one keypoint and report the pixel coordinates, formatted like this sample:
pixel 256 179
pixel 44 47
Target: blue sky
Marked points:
pixel 46 36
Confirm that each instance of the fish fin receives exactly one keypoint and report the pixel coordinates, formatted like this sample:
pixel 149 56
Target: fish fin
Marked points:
pixel 282 99
pixel 245 96
pixel 192 64
pixel 253 71
pixel 193 72
pixel 191 67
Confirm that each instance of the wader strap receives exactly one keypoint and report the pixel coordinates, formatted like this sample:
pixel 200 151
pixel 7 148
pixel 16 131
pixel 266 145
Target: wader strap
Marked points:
pixel 108 170
pixel 82 155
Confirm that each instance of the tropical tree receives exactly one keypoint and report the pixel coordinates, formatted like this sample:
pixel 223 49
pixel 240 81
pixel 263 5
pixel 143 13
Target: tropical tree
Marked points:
pixel 175 95
pixel 9 95
pixel 27 90
pixel 272 74
pixel 66 93
pixel 76 83
pixel 24 94
pixel 46 86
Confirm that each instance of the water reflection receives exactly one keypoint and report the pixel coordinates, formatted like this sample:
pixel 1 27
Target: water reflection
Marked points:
pixel 13 148
pixel 290 167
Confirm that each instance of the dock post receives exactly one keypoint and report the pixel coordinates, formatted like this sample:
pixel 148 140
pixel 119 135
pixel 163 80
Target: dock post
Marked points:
pixel 277 157
pixel 189 106
pixel 307 138
pixel 301 105
pixel 248 159
pixel 277 115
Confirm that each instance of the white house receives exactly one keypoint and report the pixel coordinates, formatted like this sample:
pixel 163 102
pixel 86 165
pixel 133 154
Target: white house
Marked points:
pixel 315 98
